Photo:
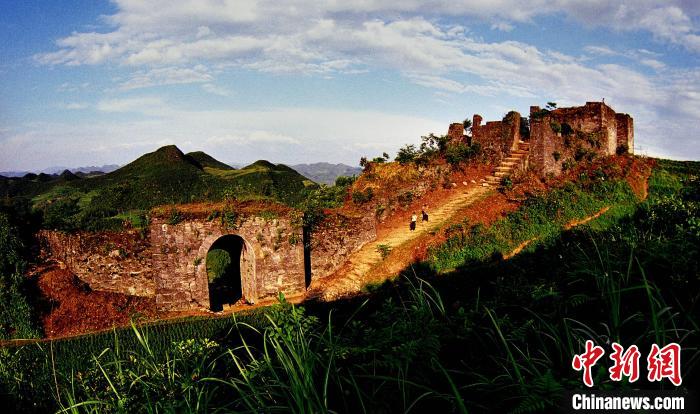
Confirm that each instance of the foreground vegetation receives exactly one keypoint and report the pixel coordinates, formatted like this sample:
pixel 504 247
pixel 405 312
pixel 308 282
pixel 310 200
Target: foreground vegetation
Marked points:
pixel 473 333
pixel 16 316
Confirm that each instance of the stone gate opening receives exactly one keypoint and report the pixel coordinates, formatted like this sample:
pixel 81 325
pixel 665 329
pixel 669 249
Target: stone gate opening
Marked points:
pixel 230 269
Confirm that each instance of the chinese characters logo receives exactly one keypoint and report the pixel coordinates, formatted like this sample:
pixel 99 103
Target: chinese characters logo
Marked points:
pixel 661 363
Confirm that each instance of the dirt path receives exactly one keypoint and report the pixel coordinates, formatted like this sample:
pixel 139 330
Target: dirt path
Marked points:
pixel 352 276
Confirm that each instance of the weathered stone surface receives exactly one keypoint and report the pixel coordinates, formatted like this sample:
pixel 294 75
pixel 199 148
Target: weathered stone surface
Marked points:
pixel 456 132
pixel 564 136
pixel 497 138
pixel 110 261
pixel 272 261
pixel 170 263
pixel 625 132
pixel 336 238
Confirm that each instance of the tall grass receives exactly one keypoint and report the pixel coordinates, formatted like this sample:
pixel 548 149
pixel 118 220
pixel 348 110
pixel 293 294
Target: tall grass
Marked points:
pixel 538 220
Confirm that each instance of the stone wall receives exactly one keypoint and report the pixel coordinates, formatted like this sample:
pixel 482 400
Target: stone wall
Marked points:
pixel 336 238
pixel 497 138
pixel 275 246
pixel 625 132
pixel 564 136
pixel 109 261
pixel 455 132
pixel 170 263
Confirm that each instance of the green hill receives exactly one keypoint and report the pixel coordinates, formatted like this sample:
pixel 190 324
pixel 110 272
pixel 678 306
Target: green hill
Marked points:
pixel 164 176
pixel 206 160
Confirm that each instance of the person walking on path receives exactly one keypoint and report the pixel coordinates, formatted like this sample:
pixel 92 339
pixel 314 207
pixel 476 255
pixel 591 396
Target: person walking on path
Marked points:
pixel 414 220
pixel 423 213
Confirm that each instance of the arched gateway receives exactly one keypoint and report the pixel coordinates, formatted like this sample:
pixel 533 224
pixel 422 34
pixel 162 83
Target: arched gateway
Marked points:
pixel 261 257
pixel 229 270
pixel 168 261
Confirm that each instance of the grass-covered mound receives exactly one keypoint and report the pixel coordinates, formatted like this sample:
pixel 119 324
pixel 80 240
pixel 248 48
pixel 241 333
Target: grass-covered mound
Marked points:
pixel 165 176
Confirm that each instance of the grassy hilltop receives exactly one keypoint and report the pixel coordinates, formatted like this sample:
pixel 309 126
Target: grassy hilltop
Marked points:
pixel 164 176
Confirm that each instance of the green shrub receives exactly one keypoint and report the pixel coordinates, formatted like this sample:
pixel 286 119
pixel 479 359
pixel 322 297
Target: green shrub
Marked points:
pixel 406 154
pixel 175 216
pixel 406 198
pixel 555 126
pixel 459 152
pixel 344 181
pixel 506 183
pixel 16 315
pixel 362 197
pixel 218 262
pixel 566 129
pixel 384 250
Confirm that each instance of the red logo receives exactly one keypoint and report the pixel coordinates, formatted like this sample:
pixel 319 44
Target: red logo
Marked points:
pixel 665 363
pixel 661 363
pixel 626 363
pixel 587 360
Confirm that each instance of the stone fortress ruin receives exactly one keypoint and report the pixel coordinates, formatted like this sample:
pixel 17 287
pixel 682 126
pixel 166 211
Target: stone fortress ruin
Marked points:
pixel 551 140
pixel 274 254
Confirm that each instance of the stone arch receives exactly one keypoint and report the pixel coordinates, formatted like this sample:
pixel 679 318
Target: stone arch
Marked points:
pixel 243 269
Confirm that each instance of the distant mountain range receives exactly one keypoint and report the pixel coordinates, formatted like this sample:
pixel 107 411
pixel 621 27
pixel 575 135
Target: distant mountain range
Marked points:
pixel 57 170
pixel 320 172
pixel 326 173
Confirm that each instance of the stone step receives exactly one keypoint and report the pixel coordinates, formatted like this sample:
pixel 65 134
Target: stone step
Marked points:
pixel 513 160
pixel 518 151
pixel 502 173
pixel 504 168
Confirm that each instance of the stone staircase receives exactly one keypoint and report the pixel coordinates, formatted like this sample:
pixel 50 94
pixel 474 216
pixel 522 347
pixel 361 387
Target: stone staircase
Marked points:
pixel 351 279
pixel 515 159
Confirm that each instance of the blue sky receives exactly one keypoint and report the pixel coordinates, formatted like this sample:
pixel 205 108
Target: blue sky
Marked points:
pixel 101 82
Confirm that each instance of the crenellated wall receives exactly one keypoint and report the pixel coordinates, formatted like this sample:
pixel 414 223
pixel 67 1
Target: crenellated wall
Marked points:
pixel 455 132
pixel 497 138
pixel 562 137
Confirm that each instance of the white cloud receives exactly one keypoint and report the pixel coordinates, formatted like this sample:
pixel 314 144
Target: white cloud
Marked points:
pixel 147 105
pixel 73 105
pixel 215 89
pixel 203 31
pixel 653 63
pixel 162 31
pixel 250 137
pixel 167 76
pixel 167 41
pixel 600 50
pixel 167 33
pixel 502 26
